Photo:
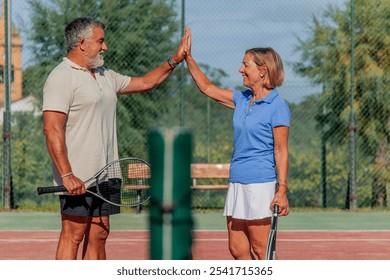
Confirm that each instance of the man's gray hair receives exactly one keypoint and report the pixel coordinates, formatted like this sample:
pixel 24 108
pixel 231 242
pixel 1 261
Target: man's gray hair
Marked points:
pixel 78 29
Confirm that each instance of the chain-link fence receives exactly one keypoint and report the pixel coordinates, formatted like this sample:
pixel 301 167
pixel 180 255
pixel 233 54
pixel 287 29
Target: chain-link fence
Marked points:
pixel 336 59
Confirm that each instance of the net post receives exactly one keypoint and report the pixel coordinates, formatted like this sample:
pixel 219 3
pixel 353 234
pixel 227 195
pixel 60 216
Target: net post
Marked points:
pixel 170 156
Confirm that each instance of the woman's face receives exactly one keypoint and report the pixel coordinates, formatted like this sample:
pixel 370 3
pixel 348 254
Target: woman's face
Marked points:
pixel 251 73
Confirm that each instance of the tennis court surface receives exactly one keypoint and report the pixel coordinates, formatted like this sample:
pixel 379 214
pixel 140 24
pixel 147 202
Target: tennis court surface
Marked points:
pixel 301 236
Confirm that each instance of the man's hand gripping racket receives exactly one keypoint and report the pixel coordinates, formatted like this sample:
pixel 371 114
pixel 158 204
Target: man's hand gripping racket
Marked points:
pixel 124 182
pixel 271 246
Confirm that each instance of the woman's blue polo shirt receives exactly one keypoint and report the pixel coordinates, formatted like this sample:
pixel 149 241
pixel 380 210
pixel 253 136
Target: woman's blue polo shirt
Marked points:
pixel 253 158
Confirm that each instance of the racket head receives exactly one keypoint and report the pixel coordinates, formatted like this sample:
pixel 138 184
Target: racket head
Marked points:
pixel 124 182
pixel 271 246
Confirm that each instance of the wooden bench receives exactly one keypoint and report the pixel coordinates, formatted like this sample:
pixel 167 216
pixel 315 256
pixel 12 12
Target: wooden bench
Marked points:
pixel 209 171
pixel 199 171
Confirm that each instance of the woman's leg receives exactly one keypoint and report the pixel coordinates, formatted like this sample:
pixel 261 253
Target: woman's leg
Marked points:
pixel 258 236
pixel 239 244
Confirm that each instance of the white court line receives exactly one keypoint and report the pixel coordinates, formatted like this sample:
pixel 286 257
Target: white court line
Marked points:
pixel 316 240
pixel 206 230
pixel 337 240
pixel 13 240
pixel 16 240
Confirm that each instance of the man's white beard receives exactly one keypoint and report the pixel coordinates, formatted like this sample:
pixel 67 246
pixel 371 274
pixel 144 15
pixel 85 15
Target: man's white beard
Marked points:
pixel 98 61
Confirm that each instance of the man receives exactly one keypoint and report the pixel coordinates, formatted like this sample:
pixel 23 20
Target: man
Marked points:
pixel 79 118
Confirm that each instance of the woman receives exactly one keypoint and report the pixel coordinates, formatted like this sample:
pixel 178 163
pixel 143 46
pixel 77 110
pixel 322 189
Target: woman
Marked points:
pixel 259 165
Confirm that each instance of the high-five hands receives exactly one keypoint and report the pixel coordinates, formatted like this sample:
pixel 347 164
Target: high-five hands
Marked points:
pixel 182 50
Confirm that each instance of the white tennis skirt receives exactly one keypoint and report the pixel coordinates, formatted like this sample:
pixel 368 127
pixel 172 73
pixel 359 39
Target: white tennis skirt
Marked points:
pixel 249 201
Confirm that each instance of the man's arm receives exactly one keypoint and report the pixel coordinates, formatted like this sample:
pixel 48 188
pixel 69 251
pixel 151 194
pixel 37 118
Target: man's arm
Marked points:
pixel 54 130
pixel 149 81
pixel 158 75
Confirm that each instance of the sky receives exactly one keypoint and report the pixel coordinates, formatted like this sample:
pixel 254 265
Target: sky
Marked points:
pixel 223 29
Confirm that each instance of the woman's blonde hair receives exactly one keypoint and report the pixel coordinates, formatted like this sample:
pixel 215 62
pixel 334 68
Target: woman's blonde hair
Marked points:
pixel 272 61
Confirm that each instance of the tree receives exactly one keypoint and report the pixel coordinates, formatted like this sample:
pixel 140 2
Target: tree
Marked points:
pixel 30 161
pixel 326 59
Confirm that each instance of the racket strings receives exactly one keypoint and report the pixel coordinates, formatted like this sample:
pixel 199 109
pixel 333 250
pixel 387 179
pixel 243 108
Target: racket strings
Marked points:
pixel 125 182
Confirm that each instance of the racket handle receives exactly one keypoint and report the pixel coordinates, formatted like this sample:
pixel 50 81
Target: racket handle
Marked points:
pixel 276 209
pixel 53 189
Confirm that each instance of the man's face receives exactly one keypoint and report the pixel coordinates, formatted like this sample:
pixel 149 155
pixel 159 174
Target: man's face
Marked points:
pixel 95 46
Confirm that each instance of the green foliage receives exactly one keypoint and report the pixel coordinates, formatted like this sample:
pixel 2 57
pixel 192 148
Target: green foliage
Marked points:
pixel 208 199
pixel 326 59
pixel 212 127
pixel 30 161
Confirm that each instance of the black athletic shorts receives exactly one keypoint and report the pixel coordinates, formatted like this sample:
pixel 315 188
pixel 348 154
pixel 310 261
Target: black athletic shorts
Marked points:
pixel 88 204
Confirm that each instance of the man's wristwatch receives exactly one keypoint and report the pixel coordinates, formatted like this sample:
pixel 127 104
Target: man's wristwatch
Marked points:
pixel 171 62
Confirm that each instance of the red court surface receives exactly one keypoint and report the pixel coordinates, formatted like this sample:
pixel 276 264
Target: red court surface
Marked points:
pixel 211 245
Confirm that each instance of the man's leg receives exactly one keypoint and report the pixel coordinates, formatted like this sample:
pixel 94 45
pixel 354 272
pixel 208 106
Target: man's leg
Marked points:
pixel 95 239
pixel 72 234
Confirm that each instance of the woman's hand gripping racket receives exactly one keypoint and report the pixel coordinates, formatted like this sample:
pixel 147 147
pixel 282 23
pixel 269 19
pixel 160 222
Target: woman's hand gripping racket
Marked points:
pixel 271 246
pixel 124 182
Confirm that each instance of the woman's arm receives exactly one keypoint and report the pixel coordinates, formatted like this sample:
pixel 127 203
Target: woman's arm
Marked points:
pixel 223 96
pixel 281 159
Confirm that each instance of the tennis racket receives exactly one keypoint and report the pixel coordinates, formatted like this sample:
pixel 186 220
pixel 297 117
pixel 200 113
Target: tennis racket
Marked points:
pixel 123 182
pixel 271 246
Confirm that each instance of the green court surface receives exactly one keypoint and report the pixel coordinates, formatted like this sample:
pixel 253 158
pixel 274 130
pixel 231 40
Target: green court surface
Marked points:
pixel 339 220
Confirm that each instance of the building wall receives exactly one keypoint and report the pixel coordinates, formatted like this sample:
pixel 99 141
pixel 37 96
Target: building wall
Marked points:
pixel 16 59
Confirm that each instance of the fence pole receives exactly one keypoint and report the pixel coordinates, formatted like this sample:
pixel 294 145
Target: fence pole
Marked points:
pixel 182 67
pixel 352 118
pixel 323 166
pixel 7 177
